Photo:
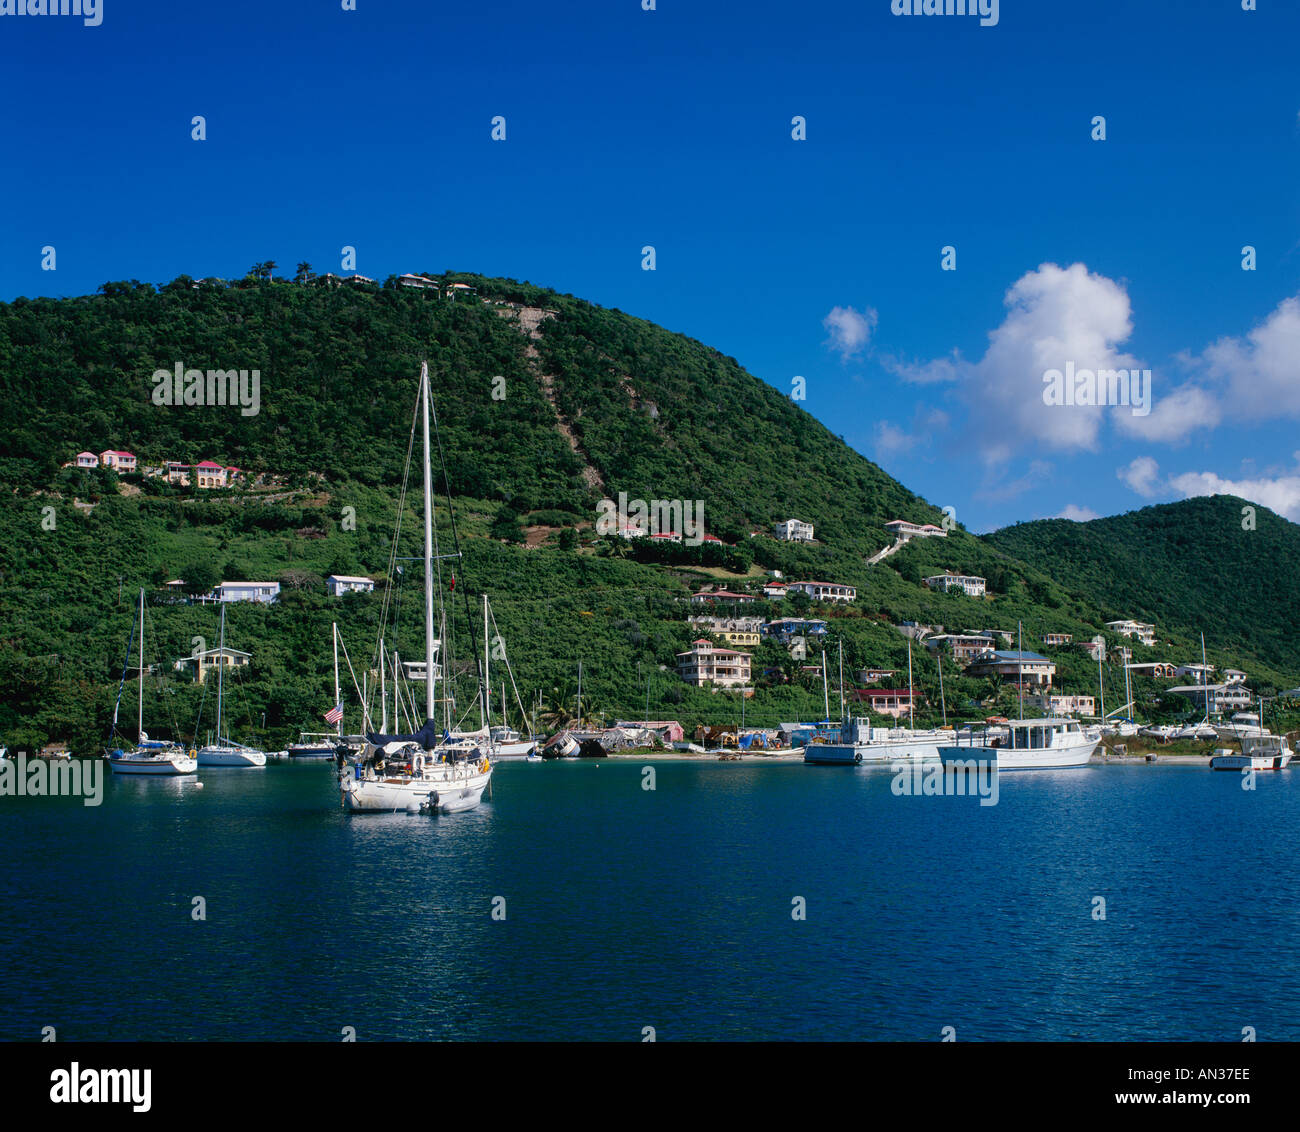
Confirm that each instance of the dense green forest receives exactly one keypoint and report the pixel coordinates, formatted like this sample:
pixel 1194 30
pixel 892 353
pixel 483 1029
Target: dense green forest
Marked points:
pixel 546 404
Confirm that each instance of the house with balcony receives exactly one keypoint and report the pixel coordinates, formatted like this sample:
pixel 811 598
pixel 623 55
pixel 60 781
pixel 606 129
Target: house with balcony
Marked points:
pixel 705 663
pixel 794 530
pixel 1143 632
pixel 948 582
pixel 895 702
pixel 1157 669
pixel 1057 640
pixel 963 647
pixel 901 529
pixel 85 460
pixel 1217 699
pixel 775 591
pixel 1014 667
pixel 824 591
pixel 118 461
pixel 177 472
pixel 1055 704
pixel 339 584
pixel 209 474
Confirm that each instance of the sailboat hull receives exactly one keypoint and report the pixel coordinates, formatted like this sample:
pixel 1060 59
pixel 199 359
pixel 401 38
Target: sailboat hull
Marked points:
pixel 230 756
pixel 157 765
pixel 444 789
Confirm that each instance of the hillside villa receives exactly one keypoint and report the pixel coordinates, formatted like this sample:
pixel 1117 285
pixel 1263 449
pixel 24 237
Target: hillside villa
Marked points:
pixel 969 584
pixel 1014 667
pixel 1144 633
pixel 1216 699
pixel 247 591
pixel 733 630
pixel 824 591
pixel 724 597
pixel 1064 705
pixel 118 461
pixel 794 530
pixel 337 584
pixel 964 647
pixel 706 664
pixel 901 529
pixel 896 702
pixel 208 660
pixel 788 628
pixel 1056 640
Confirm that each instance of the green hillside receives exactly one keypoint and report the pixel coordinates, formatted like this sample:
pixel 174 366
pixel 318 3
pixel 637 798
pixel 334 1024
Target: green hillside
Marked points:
pixel 1202 565
pixel 593 402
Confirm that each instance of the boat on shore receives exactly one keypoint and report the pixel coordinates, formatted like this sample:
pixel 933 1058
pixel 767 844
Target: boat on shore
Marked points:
pixel 1031 744
pixel 1258 752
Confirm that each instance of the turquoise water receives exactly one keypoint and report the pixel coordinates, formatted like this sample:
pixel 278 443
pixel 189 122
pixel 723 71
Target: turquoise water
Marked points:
pixel 672 909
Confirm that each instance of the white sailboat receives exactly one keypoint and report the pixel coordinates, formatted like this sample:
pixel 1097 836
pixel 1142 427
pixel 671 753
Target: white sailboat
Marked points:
pixel 419 772
pixel 150 756
pixel 224 752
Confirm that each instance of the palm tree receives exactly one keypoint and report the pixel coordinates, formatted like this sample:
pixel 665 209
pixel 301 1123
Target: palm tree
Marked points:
pixel 304 273
pixel 560 706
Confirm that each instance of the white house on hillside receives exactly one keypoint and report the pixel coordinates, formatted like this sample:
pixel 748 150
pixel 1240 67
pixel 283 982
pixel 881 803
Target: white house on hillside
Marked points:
pixel 1139 629
pixel 337 584
pixel 969 584
pixel 794 530
pixel 824 591
pixel 247 591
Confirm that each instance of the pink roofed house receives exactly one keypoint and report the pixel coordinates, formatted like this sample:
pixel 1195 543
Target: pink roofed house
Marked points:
pixel 118 461
pixel 209 474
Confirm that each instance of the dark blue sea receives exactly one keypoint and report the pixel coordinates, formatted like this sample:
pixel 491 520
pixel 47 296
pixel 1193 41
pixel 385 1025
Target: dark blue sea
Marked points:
pixel 626 908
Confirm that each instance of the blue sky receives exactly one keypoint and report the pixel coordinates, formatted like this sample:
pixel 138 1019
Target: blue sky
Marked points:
pixel 672 128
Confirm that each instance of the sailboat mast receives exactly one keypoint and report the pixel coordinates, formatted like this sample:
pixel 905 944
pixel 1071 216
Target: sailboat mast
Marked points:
pixel 221 669
pixel 139 716
pixel 579 693
pixel 1101 685
pixel 826 692
pixel 383 689
pixel 428 547
pixel 841 681
pixel 1020 665
pixel 486 691
pixel 911 690
pixel 335 632
pixel 943 703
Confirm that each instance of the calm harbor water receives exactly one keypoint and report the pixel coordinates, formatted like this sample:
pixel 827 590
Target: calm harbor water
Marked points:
pixel 627 908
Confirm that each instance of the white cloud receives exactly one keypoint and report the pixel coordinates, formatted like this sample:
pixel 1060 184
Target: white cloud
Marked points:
pixel 1055 316
pixel 1260 374
pixel 1280 494
pixel 850 330
pixel 1176 417
pixel 1142 476
pixel 1076 513
pixel 891 440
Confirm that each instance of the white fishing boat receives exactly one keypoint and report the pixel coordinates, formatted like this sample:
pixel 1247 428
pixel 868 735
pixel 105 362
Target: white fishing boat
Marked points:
pixel 149 756
pixel 561 746
pixel 860 743
pixel 1030 744
pixel 1242 724
pixel 224 752
pixel 1258 752
pixel 424 771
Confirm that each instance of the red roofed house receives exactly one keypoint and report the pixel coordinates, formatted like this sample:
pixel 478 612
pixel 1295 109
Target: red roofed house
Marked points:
pixel 86 460
pixel 210 474
pixel 708 664
pixel 177 472
pixel 885 701
pixel 118 461
pixel 727 596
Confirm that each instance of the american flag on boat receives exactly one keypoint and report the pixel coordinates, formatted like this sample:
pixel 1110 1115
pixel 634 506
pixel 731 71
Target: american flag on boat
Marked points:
pixel 334 714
